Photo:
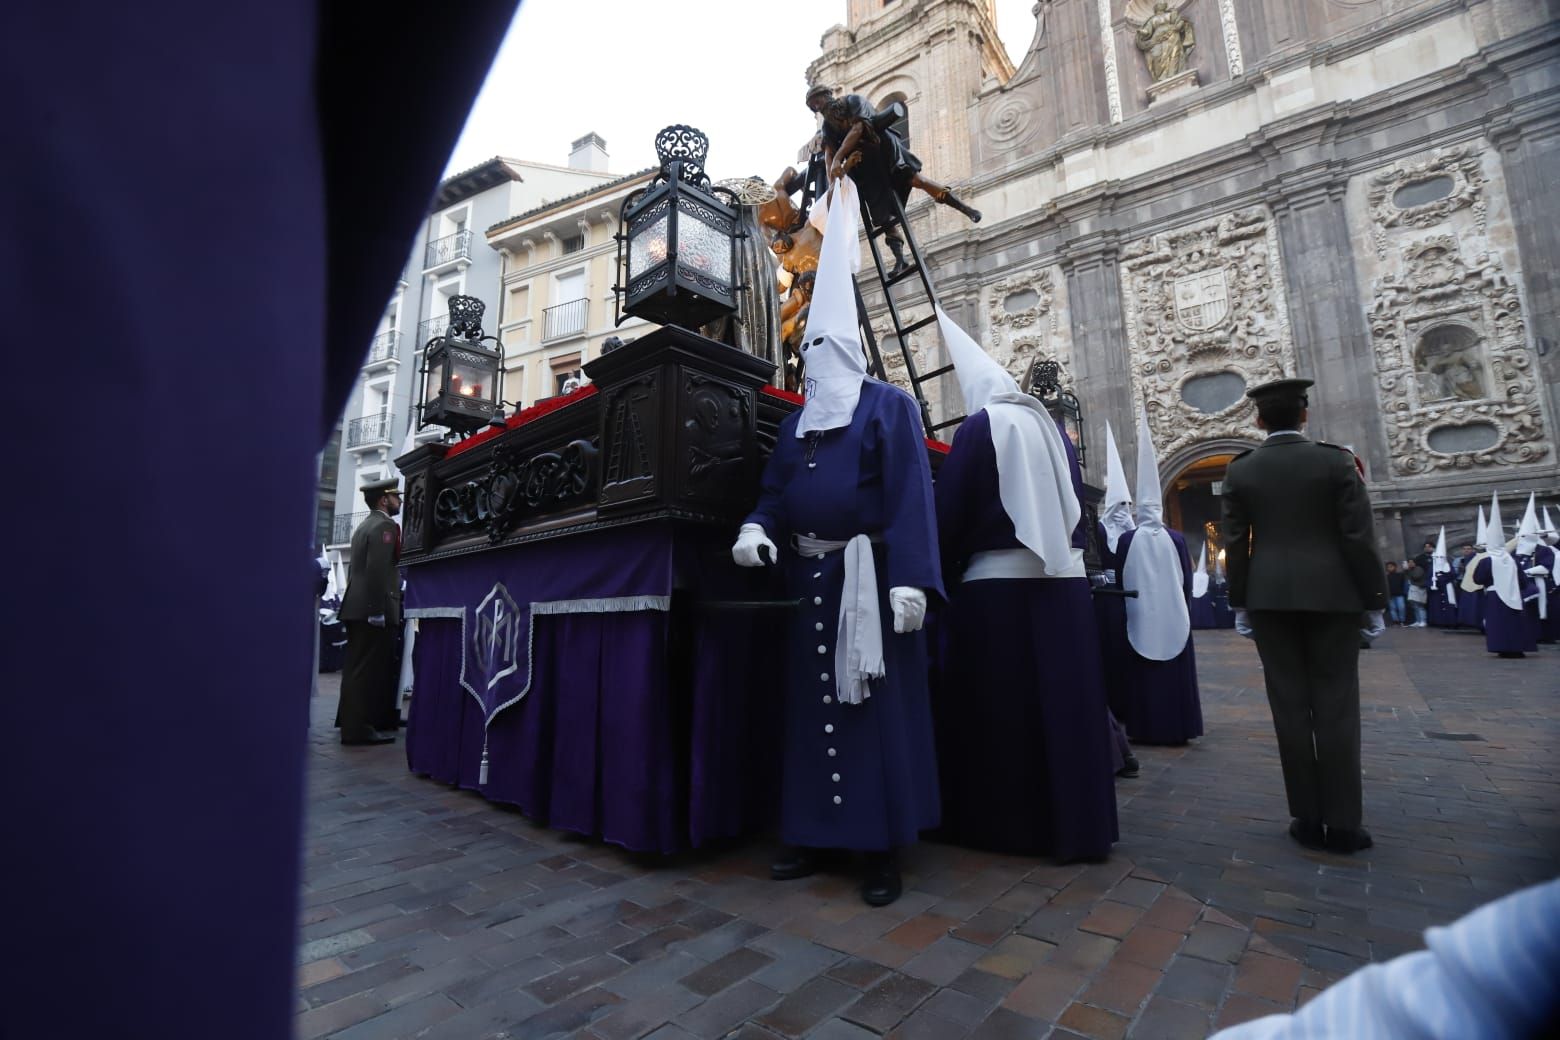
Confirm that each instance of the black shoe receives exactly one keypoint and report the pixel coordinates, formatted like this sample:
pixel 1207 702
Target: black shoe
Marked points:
pixel 1309 835
pixel 882 884
pixel 897 247
pixel 949 199
pixel 1340 840
pixel 791 863
pixel 366 735
pixel 1129 769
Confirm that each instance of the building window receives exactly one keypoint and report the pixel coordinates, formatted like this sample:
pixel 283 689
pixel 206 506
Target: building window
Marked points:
pixel 561 377
pixel 574 243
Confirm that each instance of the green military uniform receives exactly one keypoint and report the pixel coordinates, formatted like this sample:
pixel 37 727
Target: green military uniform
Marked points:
pixel 373 591
pixel 1301 560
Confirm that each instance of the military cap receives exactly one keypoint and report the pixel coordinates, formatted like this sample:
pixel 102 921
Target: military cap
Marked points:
pixel 1282 389
pixel 384 487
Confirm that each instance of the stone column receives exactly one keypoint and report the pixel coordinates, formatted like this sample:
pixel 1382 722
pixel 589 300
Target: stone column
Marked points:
pixel 1530 155
pixel 1332 340
pixel 1101 360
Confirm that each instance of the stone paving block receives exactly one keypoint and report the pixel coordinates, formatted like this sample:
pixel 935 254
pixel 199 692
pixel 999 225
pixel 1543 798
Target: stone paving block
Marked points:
pixel 1242 1008
pixel 1095 1023
pixel 924 1025
pixel 632 1020
pixel 983 985
pixel 962 1009
pixel 1271 978
pixel 1173 912
pixel 1193 981
pixel 921 931
pixel 1165 1019
pixel 315 972
pixel 718 974
pixel 1003 1024
pixel 567 981
pixel 811 1003
pixel 1083 952
pixel 839 1029
pixel 725 1011
pixel 720 941
pixel 796 961
pixel 1024 899
pixel 330 1018
pixel 1122 986
pixel 1150 946
pixel 406 1020
pixel 1045 994
pixel 1136 891
pixel 888 1003
pixel 651 976
pixel 943 961
pixel 362 981
pixel 480 987
pixel 988 926
pixel 1216 942
pixel 857 972
pixel 1111 919
pixel 1016 956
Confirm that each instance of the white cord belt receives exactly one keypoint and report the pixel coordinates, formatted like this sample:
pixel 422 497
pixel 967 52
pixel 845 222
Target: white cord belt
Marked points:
pixel 1019 563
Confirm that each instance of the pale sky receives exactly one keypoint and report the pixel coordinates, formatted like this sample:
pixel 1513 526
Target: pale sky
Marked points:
pixel 733 68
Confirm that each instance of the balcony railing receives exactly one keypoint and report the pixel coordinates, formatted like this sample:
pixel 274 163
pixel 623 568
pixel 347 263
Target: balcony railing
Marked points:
pixel 370 430
pixel 565 319
pixel 384 347
pixel 346 523
pixel 448 249
pixel 426 330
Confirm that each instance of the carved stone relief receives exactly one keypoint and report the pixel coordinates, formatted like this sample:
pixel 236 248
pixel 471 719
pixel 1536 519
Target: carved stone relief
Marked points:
pixel 1452 363
pixel 1025 313
pixel 1424 192
pixel 1205 300
pixel 1457 383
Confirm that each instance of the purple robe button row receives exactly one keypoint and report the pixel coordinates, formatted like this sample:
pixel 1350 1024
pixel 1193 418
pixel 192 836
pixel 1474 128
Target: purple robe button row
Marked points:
pixel 817 601
pixel 838 800
pixel 828 727
pixel 836 778
pixel 831 752
pixel 818 626
pixel 823 649
pixel 824 677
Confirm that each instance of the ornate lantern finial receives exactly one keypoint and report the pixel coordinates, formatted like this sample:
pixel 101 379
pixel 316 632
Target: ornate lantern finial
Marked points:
pixel 466 316
pixel 687 147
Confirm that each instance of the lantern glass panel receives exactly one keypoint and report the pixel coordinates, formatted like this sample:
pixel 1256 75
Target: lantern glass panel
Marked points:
pixel 702 248
pixel 433 379
pixel 648 248
pixel 468 380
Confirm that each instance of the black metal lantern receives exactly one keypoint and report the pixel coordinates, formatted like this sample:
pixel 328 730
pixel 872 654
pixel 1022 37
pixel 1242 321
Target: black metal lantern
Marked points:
pixel 462 372
pixel 1045 383
pixel 677 242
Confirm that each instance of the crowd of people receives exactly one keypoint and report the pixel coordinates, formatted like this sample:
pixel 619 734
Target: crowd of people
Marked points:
pixel 1503 586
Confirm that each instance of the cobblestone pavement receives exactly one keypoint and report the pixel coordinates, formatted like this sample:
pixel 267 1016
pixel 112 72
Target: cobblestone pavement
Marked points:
pixel 429 912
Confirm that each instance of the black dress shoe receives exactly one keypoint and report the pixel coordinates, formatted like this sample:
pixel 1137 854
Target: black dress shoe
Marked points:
pixel 1340 840
pixel 1309 835
pixel 793 863
pixel 882 884
pixel 1129 768
pixel 368 735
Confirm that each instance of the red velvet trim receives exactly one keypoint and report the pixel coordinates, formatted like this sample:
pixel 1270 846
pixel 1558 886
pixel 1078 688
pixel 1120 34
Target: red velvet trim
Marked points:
pixel 536 411
pixel 784 395
pixel 938 446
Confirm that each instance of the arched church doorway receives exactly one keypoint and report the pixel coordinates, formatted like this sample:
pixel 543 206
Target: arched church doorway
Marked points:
pixel 1194 506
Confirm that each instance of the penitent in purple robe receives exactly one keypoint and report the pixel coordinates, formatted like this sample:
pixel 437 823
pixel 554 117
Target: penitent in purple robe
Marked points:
pixel 1507 631
pixel 860 776
pixel 1159 700
pixel 1023 735
pixel 1441 610
pixel 1549 627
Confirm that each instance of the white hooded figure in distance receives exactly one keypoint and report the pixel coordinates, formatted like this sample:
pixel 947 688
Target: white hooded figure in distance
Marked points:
pixel 1161 704
pixel 1442 607
pixel 1024 737
pixel 1510 630
pixel 845 507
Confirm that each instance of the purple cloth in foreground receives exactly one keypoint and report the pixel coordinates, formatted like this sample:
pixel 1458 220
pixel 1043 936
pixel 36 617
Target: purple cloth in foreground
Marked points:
pixel 1441 612
pixel 1470 608
pixel 193 166
pixel 1159 699
pixel 1506 631
pixel 1024 740
pixel 1201 610
pixel 651 728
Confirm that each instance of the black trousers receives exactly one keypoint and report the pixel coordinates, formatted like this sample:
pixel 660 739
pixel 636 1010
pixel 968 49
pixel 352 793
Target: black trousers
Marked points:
pixel 368 680
pixel 1310 662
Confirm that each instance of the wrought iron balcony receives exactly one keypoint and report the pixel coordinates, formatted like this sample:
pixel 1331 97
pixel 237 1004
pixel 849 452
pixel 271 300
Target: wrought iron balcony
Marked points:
pixel 384 347
pixel 448 249
pixel 346 523
pixel 426 330
pixel 370 431
pixel 565 319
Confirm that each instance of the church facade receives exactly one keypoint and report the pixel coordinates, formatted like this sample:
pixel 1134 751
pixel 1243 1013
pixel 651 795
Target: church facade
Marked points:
pixel 1186 198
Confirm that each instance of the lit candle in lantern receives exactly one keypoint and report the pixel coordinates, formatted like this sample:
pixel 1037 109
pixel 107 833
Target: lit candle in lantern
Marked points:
pixel 455 382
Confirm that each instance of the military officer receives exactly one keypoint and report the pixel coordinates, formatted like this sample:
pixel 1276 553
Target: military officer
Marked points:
pixel 1303 568
pixel 372 612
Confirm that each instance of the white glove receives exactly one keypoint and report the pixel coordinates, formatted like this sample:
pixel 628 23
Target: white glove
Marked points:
pixel 378 621
pixel 909 608
pixel 1375 624
pixel 749 539
pixel 1243 623
pixel 1536 572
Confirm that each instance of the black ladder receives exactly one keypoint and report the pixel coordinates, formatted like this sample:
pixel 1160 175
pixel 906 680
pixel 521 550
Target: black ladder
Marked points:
pixel 915 269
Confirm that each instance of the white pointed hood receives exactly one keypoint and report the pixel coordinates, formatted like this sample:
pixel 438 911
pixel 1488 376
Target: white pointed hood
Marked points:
pixel 831 349
pixel 1503 567
pixel 1439 562
pixel 1527 533
pixel 1116 509
pixel 1158 623
pixel 1200 575
pixel 1479 539
pixel 1033 475
pixel 1548 530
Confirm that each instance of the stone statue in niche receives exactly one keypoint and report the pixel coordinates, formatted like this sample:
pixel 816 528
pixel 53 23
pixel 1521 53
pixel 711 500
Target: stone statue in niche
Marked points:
pixel 1449 365
pixel 1165 38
